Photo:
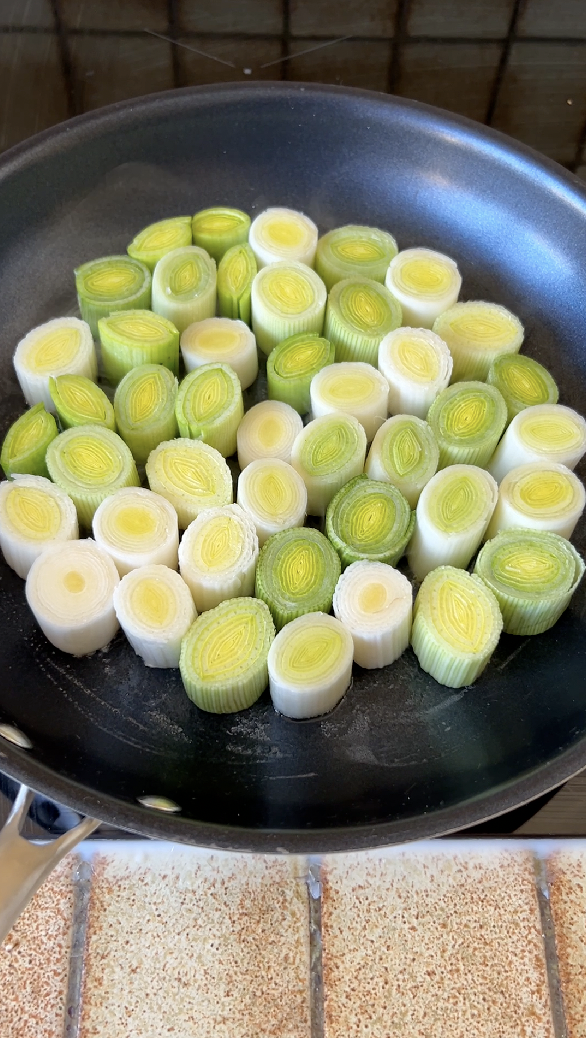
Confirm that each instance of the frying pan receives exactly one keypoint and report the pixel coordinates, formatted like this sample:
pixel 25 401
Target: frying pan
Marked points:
pixel 401 757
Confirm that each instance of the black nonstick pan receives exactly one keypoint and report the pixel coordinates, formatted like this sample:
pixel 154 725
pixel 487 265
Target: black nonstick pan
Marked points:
pixel 401 757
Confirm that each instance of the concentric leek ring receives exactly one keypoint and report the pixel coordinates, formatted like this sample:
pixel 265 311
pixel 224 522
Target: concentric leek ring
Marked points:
pixel 33 514
pixel 467 419
pixel 351 388
pixel 354 250
pixel 144 407
pixel 273 494
pixel 310 665
pixel 209 406
pixel 90 462
pixel 191 475
pixel 137 528
pixel 543 492
pixel 292 365
pixel 374 601
pixel 329 445
pixel 268 430
pixel 236 272
pixel 26 442
pixel 296 573
pixel 522 381
pixel 476 334
pixel 217 556
pixel 54 351
pixel 184 286
pixel 425 283
pixel 287 291
pixel 404 452
pixel 359 314
pixel 217 230
pixel 154 241
pixel 79 401
pixel 459 499
pixel 283 234
pixel 369 520
pixel 63 346
pixel 555 429
pixel 135 337
pixel 111 283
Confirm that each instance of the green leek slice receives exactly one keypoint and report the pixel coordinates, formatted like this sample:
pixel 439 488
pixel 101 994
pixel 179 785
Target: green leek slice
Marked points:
pixel 268 430
pixel 209 406
pixel 354 388
pixel 137 528
pixel 533 574
pixel 34 513
pixel 63 346
pixel 225 341
pixel 90 462
pixel 546 432
pixel 297 573
pixel 283 234
pixel 26 442
pixel 184 286
pixel 292 365
pixel 375 603
pixel 425 282
pixel 456 626
pixel 287 298
pixel 541 495
pixel 369 520
pixel 467 419
pixel 218 556
pixel 107 285
pixel 522 382
pixel 476 334
pixel 327 453
pixel 224 655
pixel 191 475
pixel 359 314
pixel 236 272
pixel 273 494
pixel 417 365
pixel 217 230
pixel 405 453
pixel 79 401
pixel 156 240
pixel 155 610
pixel 144 406
pixel 134 337
pixel 310 665
pixel 352 251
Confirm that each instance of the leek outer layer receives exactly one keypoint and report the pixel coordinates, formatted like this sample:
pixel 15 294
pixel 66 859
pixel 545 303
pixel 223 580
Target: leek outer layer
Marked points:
pixel 90 462
pixel 425 282
pixel 25 445
pixel 375 603
pixel 369 520
pixel 546 432
pixel 135 337
pixel 219 339
pixel 79 401
pixel 236 272
pixel 144 406
pixel 297 573
pixel 111 284
pixel 184 286
pixel 155 610
pixel 405 453
pixel 477 333
pixel 310 665
pixel 191 475
pixel 352 251
pixel 354 388
pixel 541 495
pixel 156 240
pixel 292 365
pixel 34 513
pixel 467 419
pixel 283 234
pixel 209 406
pixel 456 626
pixel 359 314
pixel 218 556
pixel 137 528
pixel 327 453
pixel 63 346
pixel 273 494
pixel 522 382
pixel 417 365
pixel 224 656
pixel 287 298
pixel 217 230
pixel 533 575
pixel 268 430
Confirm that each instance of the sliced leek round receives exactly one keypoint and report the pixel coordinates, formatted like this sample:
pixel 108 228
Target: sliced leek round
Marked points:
pixel 310 666
pixel 217 230
pixel 144 406
pixel 452 515
pixel 375 603
pixel 296 574
pixel 292 365
pixel 63 346
pixel 417 365
pixel 25 445
pixel 224 655
pixel 283 234
pixel 352 251
pixel 90 462
pixel 34 513
pixel 476 334
pixel 137 528
pixel 546 432
pixel 359 314
pixel 287 298
pixel 351 388
pixel 223 340
pixel 79 401
pixel 70 590
pixel 467 419
pixel 268 430
pixel 327 453
pixel 236 272
pixel 369 520
pixel 533 574
pixel 209 406
pixel 273 494
pixel 155 610
pixel 156 240
pixel 405 453
pixel 218 556
pixel 456 626
pixel 425 282
pixel 107 285
pixel 541 495
pixel 522 382
pixel 135 337
pixel 184 286
pixel 191 475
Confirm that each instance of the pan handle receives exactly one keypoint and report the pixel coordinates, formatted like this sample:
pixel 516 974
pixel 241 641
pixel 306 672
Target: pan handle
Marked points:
pixel 24 866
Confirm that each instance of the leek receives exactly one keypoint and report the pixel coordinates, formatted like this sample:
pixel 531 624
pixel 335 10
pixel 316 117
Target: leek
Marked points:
pixel 467 419
pixel 79 401
pixel 135 337
pixel 224 655
pixel 144 406
pixel 456 626
pixel 191 475
pixel 220 339
pixel 33 514
pixel 236 272
pixel 137 528
pixel 417 365
pixel 351 388
pixel 375 603
pixel 369 520
pixel 283 234
pixel 292 365
pixel 541 495
pixel 310 665
pixel 273 494
pixel 287 298
pixel 90 462
pixel 217 230
pixel 533 575
pixel 184 286
pixel 156 240
pixel 296 574
pixel 209 406
pixel 70 590
pixel 352 251
pixel 359 314
pixel 218 556
pixel 327 453
pixel 155 610
pixel 522 382
pixel 25 445
pixel 476 334
pixel 452 515
pixel 405 453
pixel 425 282
pixel 63 346
pixel 107 285
pixel 268 430
pixel 546 432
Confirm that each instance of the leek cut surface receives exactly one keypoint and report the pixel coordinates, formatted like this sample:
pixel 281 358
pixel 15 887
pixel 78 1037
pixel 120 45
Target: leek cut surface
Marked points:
pixel 79 401
pixel 26 442
pixel 184 286
pixel 144 406
pixel 375 603
pixel 111 284
pixel 137 528
pixel 218 556
pixel 546 432
pixel 541 495
pixel 273 494
pixel 522 382
pixel 405 453
pixel 359 314
pixel 63 346
pixel 155 610
pixel 34 513
pixel 417 365
pixel 425 282
pixel 287 298
pixel 292 365
pixel 369 520
pixel 268 430
pixel 221 340
pixel 296 574
pixel 283 234
pixel 90 462
pixel 354 388
pixel 327 453
pixel 135 337
pixel 236 272
pixel 191 475
pixel 156 240
pixel 219 229
pixel 477 333
pixel 467 419
pixel 352 251
pixel 310 665
pixel 209 406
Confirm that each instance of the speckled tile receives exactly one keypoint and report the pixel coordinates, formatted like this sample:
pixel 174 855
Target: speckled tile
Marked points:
pixel 31 85
pixel 251 54
pixel 231 16
pixel 457 76
pixel 109 15
pixel 36 14
pixel 431 942
pixel 475 18
pixel 566 870
pixel 549 18
pixel 342 17
pixel 120 67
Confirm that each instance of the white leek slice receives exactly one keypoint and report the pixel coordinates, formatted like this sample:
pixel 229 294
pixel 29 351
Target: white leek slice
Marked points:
pixel 522 382
pixel 404 452
pixel 354 250
pixel 273 494
pixel 533 575
pixel 70 590
pixel 477 333
pixel 144 406
pixel 456 626
pixel 283 234
pixel 352 388
pixel 268 430
pixel 110 284
pixel 310 665
pixel 292 365
pixel 220 339
pixel 137 528
pixel 297 573
pixel 63 346
pixel 546 432
pixel 155 610
pixel 452 515
pixel 90 462
pixel 191 475
pixel 425 282
pixel 218 556
pixel 369 520
pixel 224 655
pixel 236 272
pixel 24 448
pixel 219 229
pixel 136 337
pixel 209 406
pixel 541 495
pixel 375 603
pixel 33 514
pixel 156 240
pixel 359 314
pixel 184 286
pixel 287 298
pixel 79 401
pixel 467 419
pixel 327 453
pixel 417 365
